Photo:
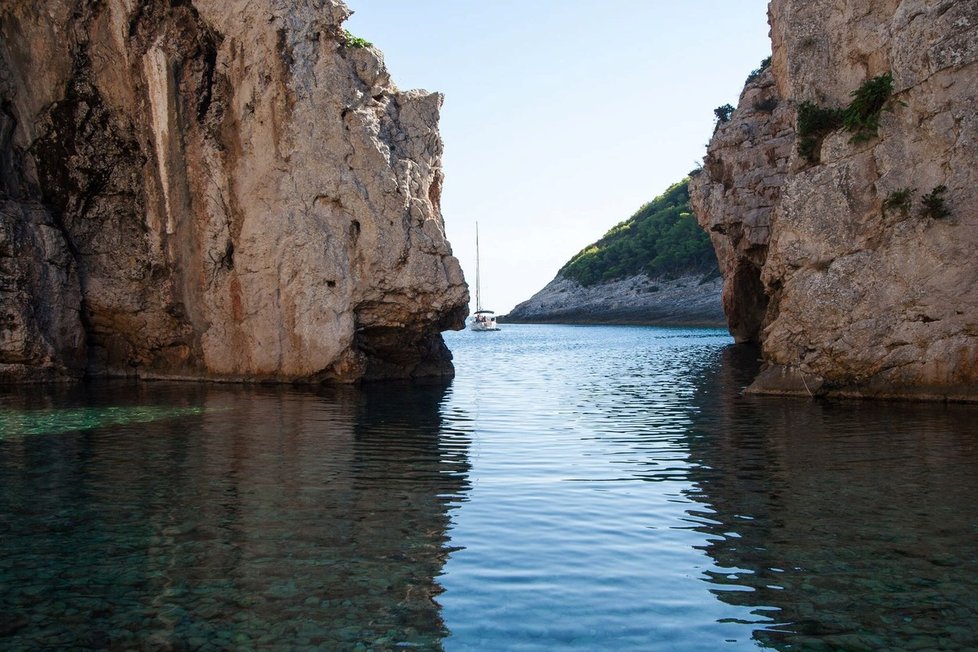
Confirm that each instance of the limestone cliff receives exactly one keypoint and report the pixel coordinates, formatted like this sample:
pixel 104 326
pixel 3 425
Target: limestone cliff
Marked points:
pixel 854 264
pixel 689 300
pixel 215 189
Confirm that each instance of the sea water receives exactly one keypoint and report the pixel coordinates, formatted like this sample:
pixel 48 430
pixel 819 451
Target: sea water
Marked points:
pixel 573 488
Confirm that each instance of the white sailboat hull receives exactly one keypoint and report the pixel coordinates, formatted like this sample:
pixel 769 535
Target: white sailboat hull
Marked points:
pixel 478 326
pixel 484 320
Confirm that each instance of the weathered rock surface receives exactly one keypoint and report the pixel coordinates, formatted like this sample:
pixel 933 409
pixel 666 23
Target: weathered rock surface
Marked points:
pixel 227 189
pixel 43 339
pixel 846 297
pixel 684 301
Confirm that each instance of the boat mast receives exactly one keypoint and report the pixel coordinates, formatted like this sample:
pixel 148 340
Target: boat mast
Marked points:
pixel 478 302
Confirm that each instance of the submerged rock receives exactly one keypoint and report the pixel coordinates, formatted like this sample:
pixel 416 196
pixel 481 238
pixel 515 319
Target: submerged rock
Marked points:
pixel 835 259
pixel 228 190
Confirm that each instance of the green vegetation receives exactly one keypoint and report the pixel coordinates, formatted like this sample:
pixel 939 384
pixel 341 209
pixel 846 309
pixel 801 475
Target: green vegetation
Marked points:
pixel 754 74
pixel 814 124
pixel 899 200
pixel 934 205
pixel 861 117
pixel 723 113
pixel 351 41
pixel 661 239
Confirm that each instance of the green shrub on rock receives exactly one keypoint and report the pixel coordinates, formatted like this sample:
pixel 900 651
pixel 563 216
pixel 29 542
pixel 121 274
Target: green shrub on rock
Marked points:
pixel 351 41
pixel 899 200
pixel 934 204
pixel 861 117
pixel 814 124
pixel 723 113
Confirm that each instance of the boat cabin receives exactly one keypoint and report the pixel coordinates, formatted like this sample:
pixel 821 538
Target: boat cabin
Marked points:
pixel 484 320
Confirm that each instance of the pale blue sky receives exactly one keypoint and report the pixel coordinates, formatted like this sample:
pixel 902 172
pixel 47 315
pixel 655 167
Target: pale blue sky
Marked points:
pixel 562 117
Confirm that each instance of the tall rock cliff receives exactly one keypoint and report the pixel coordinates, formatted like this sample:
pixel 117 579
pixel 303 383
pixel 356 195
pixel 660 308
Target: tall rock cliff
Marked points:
pixel 221 189
pixel 847 250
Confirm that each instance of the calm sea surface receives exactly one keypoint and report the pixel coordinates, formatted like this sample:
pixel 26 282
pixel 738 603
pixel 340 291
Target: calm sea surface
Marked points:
pixel 574 488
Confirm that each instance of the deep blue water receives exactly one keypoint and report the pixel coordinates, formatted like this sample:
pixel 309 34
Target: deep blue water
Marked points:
pixel 578 488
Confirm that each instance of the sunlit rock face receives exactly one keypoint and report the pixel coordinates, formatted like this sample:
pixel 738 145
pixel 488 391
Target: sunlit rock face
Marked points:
pixel 849 292
pixel 240 193
pixel 690 300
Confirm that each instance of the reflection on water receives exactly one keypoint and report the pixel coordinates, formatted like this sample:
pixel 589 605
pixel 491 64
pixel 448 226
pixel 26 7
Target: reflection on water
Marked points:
pixel 575 535
pixel 574 488
pixel 232 518
pixel 842 525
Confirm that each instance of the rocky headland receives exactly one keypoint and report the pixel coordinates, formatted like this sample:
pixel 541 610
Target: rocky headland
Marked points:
pixel 657 268
pixel 841 199
pixel 690 300
pixel 216 189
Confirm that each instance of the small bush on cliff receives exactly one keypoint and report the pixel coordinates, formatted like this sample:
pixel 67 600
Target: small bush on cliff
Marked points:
pixel 754 74
pixel 723 113
pixel 862 117
pixel 934 204
pixel 899 200
pixel 351 41
pixel 814 124
pixel 661 239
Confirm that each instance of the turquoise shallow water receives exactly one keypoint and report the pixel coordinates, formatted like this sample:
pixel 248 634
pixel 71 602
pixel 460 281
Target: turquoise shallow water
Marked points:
pixel 578 488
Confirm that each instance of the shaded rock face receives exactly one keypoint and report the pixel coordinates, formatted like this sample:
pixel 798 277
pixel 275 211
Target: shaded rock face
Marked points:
pixel 735 195
pixel 685 301
pixel 241 195
pixel 847 293
pixel 43 342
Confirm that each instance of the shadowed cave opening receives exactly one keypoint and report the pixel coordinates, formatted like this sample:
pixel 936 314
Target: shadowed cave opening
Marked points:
pixel 746 303
pixel 398 352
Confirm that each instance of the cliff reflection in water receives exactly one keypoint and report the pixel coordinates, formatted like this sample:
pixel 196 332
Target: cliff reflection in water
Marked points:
pixel 846 525
pixel 247 516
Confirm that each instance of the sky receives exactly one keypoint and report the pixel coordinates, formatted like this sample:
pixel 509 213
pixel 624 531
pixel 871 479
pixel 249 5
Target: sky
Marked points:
pixel 561 117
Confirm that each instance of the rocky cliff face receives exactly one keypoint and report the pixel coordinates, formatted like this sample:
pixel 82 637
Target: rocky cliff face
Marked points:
pixel 692 300
pixel 215 189
pixel 834 261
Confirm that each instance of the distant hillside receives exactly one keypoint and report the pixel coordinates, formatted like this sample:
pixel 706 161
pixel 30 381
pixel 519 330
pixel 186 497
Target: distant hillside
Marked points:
pixel 661 239
pixel 656 267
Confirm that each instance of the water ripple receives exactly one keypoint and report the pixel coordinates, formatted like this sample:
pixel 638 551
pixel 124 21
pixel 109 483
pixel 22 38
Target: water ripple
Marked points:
pixel 574 488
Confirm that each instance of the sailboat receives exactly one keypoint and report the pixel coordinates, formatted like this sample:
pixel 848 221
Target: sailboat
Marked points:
pixel 482 320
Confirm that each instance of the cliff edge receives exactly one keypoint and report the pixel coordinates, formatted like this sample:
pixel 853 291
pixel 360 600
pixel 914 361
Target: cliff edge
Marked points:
pixel 841 199
pixel 215 189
